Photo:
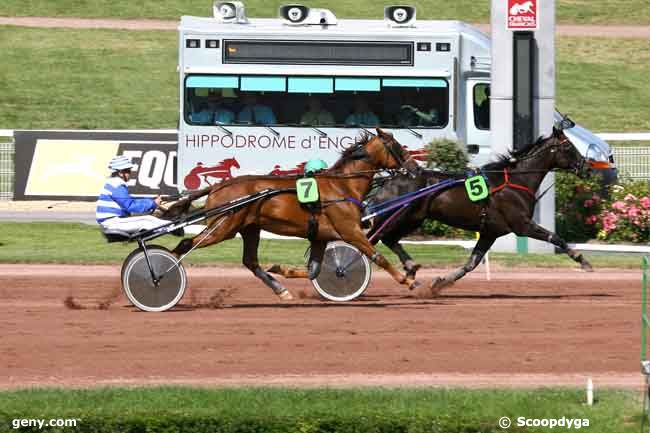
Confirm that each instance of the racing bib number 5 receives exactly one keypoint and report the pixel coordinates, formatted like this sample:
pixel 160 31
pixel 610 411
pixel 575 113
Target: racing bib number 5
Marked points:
pixel 476 188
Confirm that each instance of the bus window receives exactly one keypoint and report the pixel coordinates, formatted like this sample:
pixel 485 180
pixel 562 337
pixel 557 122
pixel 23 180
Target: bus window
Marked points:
pixel 316 101
pixel 482 106
pixel 415 102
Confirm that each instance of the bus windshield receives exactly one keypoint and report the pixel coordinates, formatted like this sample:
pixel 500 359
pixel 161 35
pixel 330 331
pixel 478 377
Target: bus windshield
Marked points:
pixel 316 101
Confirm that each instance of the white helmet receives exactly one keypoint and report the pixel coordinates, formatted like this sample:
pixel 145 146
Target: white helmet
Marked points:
pixel 120 162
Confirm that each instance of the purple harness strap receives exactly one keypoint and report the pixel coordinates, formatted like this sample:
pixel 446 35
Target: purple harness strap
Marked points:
pixel 355 201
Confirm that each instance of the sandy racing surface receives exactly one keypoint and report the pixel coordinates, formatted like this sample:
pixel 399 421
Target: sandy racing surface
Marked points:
pixel 523 328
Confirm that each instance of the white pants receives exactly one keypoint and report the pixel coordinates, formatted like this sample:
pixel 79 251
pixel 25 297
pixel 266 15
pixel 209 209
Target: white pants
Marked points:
pixel 133 224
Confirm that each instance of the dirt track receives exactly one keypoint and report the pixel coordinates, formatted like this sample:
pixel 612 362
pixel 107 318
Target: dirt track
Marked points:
pixel 522 328
pixel 606 31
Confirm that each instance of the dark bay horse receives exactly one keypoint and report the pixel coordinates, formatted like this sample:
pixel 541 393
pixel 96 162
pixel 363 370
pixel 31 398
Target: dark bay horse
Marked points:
pixel 341 189
pixel 513 181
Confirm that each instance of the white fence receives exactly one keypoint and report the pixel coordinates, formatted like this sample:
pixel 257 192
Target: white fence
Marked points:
pixel 6 164
pixel 633 162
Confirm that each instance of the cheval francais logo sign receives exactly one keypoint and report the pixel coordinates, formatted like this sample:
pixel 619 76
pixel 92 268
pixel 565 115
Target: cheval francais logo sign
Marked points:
pixel 522 14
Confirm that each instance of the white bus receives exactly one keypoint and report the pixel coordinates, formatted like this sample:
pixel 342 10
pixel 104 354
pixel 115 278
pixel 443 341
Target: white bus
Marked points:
pixel 263 96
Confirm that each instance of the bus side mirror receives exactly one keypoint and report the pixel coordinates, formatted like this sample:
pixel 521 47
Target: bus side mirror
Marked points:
pixel 400 16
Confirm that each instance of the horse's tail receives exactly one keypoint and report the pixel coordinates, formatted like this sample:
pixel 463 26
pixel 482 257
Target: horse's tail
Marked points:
pixel 180 207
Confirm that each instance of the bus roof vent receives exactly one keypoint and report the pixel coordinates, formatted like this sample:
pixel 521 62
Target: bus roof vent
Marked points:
pixel 400 16
pixel 229 12
pixel 299 15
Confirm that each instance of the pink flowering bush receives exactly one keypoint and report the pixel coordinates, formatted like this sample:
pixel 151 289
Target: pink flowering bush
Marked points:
pixel 626 215
pixel 578 204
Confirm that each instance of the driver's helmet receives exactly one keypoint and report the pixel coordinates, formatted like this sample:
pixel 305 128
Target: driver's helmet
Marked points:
pixel 120 162
pixel 315 165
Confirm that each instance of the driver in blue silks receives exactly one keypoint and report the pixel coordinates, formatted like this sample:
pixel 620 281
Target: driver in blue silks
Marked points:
pixel 115 205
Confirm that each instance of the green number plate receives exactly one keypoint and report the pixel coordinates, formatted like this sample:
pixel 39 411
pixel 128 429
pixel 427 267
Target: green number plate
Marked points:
pixel 476 188
pixel 307 190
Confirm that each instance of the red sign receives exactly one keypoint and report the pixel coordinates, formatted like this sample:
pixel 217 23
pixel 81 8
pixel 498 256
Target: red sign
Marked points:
pixel 522 14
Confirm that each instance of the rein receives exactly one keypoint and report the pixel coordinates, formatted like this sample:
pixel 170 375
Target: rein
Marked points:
pixel 507 184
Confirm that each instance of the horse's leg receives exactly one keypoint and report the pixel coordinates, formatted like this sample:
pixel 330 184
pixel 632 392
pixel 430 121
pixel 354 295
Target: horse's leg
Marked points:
pixel 288 271
pixel 410 266
pixel 251 237
pixel 484 243
pixel 353 235
pixel 218 230
pixel 316 252
pixel 538 232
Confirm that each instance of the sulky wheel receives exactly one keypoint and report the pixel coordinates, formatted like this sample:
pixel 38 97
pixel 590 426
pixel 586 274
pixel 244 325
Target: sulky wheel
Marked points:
pixel 345 273
pixel 139 285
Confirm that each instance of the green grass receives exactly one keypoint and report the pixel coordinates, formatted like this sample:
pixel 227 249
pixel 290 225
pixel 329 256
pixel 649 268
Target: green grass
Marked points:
pixel 87 79
pixel 58 78
pixel 419 410
pixel 602 83
pixel 568 11
pixel 83 244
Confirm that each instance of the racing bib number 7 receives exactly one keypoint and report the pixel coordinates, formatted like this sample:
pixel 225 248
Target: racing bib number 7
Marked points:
pixel 307 190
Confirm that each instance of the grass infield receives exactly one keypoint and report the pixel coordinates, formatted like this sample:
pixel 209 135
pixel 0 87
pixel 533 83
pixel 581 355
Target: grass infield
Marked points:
pixel 567 11
pixel 71 243
pixel 117 79
pixel 176 409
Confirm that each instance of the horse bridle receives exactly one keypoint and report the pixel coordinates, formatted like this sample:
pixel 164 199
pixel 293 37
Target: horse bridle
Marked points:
pixel 578 165
pixel 558 143
pixel 398 156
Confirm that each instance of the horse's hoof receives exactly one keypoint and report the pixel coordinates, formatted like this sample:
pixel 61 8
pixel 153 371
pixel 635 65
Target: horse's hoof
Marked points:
pixel 415 285
pixel 285 296
pixel 587 267
pixel 438 284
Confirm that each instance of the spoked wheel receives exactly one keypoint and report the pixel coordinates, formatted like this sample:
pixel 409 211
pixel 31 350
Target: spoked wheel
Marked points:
pixel 345 273
pixel 139 285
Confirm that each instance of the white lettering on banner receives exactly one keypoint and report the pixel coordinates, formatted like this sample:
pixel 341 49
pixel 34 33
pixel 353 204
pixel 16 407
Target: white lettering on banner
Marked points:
pixel 170 169
pixel 135 156
pixel 152 169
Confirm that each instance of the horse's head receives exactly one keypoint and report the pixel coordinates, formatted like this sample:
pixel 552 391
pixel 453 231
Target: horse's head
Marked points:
pixel 231 162
pixel 566 154
pixel 386 152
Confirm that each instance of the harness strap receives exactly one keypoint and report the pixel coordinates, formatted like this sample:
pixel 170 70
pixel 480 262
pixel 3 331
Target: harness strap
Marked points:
pixel 507 183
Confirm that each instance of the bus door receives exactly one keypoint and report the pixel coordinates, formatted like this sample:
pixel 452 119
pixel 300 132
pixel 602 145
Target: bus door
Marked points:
pixel 478 117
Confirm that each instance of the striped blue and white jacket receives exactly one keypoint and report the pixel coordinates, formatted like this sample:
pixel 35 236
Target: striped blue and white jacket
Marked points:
pixel 115 201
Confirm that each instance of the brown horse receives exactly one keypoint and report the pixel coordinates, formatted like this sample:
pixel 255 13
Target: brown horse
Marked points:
pixel 341 190
pixel 513 180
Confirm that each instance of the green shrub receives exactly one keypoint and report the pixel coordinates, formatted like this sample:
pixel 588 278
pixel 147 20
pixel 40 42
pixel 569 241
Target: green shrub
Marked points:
pixel 439 230
pixel 445 155
pixel 578 202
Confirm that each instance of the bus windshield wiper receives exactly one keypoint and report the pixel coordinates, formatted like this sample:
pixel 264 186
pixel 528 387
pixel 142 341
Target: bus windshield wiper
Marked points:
pixel 414 132
pixel 273 131
pixel 368 131
pixel 227 131
pixel 321 133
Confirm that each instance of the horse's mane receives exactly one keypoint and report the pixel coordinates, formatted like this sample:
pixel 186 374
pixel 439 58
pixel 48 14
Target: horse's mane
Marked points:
pixel 351 153
pixel 508 159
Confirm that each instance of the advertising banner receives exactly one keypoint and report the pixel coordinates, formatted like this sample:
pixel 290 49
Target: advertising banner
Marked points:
pixel 73 165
